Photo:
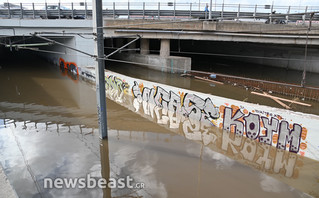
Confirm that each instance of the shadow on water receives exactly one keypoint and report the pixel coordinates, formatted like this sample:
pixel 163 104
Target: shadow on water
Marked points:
pixel 50 131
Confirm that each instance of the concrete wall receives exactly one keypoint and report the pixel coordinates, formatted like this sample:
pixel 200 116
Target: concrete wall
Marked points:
pixel 63 31
pixel 283 56
pixel 295 56
pixel 171 64
pixel 77 42
pixel 174 107
pixel 225 26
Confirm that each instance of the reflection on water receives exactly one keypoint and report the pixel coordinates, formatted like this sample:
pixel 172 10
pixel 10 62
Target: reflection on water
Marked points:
pixel 268 159
pixel 48 128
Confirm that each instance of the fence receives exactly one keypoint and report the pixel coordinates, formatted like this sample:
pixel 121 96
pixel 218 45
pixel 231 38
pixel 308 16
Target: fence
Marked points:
pixel 157 10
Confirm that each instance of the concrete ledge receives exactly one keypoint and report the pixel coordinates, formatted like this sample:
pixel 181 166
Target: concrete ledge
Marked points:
pixel 170 64
pixel 212 26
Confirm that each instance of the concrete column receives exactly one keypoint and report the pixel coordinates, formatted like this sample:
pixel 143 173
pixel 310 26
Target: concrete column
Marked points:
pixel 145 46
pixel 165 48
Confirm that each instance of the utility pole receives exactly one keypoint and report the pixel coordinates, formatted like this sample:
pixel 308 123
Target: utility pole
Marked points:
pixel 303 81
pixel 99 67
pixel 210 10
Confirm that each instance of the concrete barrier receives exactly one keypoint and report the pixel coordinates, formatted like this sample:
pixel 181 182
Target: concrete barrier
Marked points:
pixel 283 129
pixel 170 64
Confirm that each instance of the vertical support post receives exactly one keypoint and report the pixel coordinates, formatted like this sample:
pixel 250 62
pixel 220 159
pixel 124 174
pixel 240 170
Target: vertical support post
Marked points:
pixel 143 10
pixel 190 10
pixel 128 10
pixel 303 81
pixel 145 46
pixel 238 13
pixel 99 68
pixel 165 48
pixel 199 5
pixel 21 11
pixel 59 7
pixel 304 16
pixel 86 10
pixel 10 43
pixel 222 14
pixel 271 11
pixel 174 9
pixel 210 9
pixel 72 10
pixel 105 166
pixel 287 16
pixel 255 13
pixel 46 10
pixel 9 11
pixel 113 10
pixel 33 10
pixel 159 10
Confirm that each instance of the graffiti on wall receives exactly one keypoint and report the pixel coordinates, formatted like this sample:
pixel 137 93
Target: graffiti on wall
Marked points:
pixel 249 136
pixel 257 125
pixel 263 128
pixel 69 69
pixel 116 87
pixel 259 155
pixel 189 105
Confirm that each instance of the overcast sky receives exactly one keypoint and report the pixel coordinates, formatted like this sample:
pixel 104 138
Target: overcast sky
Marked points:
pixel 252 2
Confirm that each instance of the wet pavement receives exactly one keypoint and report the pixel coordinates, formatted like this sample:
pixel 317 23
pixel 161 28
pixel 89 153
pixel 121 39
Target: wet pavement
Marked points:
pixel 48 129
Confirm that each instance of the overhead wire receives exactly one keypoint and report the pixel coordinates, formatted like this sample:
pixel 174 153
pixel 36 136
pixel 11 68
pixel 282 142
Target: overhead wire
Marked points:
pixel 106 56
pixel 181 52
pixel 226 55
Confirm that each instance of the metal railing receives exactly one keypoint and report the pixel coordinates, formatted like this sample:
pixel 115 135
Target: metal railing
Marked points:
pixel 159 10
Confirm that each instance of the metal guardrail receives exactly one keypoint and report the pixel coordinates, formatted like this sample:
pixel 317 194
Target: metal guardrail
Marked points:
pixel 156 10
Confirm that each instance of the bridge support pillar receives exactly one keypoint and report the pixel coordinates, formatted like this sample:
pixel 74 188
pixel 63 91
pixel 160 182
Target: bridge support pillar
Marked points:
pixel 145 46
pixel 165 48
pixel 162 62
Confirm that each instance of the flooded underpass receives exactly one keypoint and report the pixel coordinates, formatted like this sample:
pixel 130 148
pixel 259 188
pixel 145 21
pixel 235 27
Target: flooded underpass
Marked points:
pixel 48 129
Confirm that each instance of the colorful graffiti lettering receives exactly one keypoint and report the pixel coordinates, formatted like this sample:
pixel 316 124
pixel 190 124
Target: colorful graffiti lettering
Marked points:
pixel 116 83
pixel 254 126
pixel 259 155
pixel 116 87
pixel 250 125
pixel 189 105
pixel 69 69
pixel 71 66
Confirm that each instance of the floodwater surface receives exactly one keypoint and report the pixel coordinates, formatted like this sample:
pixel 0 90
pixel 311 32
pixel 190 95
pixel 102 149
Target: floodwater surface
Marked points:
pixel 48 129
pixel 226 90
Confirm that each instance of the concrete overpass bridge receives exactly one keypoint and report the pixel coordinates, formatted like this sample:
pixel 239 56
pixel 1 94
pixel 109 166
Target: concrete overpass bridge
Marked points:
pixel 281 45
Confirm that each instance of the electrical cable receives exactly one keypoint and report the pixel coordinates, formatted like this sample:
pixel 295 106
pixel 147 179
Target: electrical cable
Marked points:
pixel 226 55
pixel 149 65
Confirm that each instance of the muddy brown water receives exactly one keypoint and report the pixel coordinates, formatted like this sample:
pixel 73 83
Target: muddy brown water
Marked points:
pixel 48 129
pixel 226 90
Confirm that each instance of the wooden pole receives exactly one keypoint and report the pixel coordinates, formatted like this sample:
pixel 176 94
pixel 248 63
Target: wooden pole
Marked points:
pixel 283 99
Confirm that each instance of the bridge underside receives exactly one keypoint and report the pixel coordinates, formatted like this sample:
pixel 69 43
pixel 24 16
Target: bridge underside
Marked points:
pixel 161 41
